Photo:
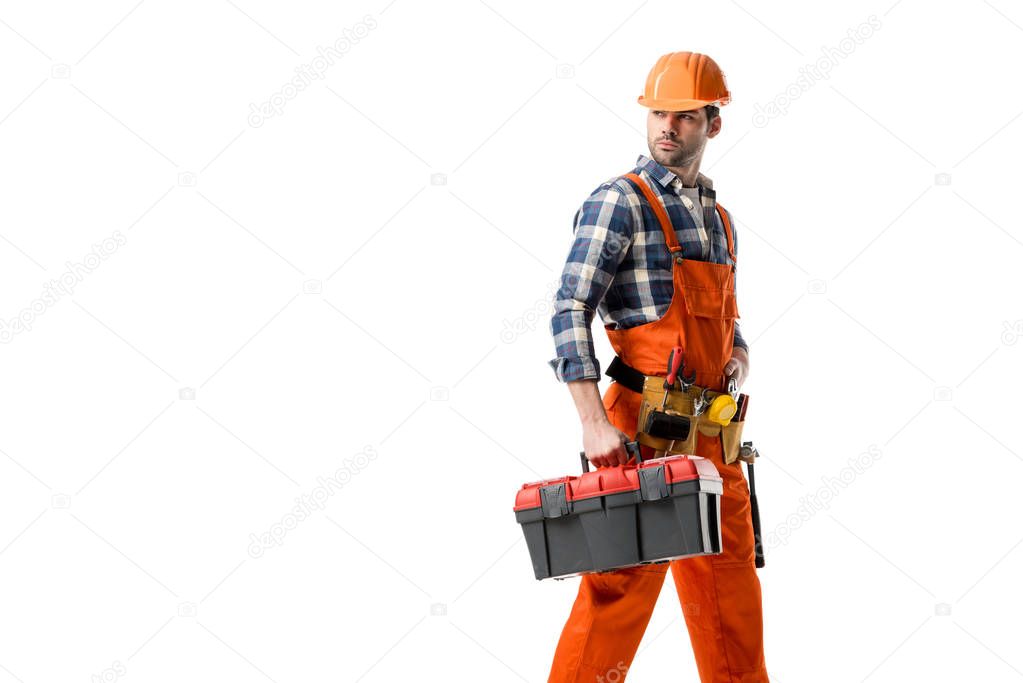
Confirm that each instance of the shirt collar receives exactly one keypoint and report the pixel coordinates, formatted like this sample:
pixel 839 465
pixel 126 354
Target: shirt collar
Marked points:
pixel 666 177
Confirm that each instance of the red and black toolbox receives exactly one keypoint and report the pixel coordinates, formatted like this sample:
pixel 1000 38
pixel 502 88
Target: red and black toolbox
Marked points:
pixel 615 517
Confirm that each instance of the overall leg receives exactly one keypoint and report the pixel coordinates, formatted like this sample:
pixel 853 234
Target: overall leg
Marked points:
pixel 608 619
pixel 720 594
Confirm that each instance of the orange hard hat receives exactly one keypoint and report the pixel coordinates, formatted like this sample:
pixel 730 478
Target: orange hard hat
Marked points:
pixel 681 81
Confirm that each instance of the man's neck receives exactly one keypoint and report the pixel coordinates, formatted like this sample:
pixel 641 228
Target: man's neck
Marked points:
pixel 687 174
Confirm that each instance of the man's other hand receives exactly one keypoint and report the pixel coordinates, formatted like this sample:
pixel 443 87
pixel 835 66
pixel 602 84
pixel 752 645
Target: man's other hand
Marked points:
pixel 738 366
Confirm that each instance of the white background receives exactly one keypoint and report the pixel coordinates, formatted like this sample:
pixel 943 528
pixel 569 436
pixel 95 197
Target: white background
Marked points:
pixel 321 293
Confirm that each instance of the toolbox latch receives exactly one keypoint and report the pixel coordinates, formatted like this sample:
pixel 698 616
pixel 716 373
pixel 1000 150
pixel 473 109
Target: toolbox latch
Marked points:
pixel 652 485
pixel 554 500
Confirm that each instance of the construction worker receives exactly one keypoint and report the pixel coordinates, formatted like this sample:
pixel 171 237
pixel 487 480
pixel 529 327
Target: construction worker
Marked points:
pixel 654 255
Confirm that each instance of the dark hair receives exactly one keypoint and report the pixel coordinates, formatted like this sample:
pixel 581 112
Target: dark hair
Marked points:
pixel 712 112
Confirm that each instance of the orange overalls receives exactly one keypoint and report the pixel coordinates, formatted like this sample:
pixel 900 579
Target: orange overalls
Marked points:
pixel 719 594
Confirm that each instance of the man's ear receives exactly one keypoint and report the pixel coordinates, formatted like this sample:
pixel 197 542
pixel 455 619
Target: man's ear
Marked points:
pixel 715 127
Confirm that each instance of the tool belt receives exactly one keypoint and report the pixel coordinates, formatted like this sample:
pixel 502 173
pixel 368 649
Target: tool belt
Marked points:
pixel 679 403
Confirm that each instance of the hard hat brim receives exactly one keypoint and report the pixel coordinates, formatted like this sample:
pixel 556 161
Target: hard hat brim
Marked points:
pixel 680 105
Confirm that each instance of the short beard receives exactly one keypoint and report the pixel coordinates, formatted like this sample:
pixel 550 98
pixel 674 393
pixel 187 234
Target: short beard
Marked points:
pixel 678 158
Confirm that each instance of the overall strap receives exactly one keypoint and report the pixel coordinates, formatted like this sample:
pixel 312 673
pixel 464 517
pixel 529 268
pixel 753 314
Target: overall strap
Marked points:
pixel 660 212
pixel 728 231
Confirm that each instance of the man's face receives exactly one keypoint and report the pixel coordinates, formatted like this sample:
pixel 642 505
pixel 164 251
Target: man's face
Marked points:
pixel 677 138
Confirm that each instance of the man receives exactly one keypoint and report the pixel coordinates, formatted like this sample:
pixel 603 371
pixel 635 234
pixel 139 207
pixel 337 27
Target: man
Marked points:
pixel 655 256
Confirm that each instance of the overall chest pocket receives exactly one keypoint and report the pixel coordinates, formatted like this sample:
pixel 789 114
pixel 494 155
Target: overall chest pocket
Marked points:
pixel 719 304
pixel 709 290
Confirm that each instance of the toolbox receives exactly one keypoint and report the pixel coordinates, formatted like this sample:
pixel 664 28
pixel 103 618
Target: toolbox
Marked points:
pixel 615 517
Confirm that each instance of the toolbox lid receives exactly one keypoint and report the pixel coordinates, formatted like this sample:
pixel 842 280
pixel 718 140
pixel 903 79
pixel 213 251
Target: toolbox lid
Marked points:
pixel 684 468
pixel 604 481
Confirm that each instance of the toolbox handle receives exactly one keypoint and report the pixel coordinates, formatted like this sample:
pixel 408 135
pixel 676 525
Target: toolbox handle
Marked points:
pixel 630 447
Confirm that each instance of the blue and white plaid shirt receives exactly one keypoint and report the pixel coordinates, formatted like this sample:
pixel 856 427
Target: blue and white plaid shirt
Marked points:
pixel 619 266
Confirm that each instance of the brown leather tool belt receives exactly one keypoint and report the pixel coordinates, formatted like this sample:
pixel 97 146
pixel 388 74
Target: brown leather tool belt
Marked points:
pixel 678 403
